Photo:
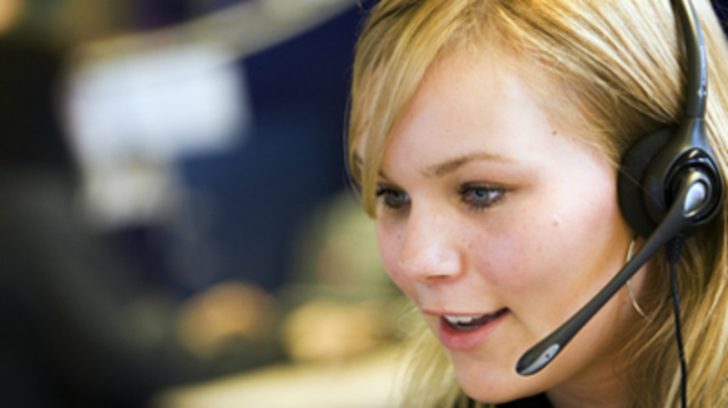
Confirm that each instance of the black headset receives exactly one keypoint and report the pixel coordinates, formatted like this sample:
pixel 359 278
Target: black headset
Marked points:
pixel 669 185
pixel 662 163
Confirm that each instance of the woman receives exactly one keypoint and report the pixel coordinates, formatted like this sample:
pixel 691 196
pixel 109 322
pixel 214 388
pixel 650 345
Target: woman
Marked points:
pixel 486 137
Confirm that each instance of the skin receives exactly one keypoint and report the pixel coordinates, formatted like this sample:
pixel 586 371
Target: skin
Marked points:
pixel 486 204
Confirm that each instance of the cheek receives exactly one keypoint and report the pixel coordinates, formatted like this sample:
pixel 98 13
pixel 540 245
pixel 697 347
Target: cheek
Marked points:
pixel 389 240
pixel 571 249
pixel 503 258
pixel 511 253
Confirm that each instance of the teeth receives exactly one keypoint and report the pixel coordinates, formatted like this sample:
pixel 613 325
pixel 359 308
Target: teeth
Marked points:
pixel 460 319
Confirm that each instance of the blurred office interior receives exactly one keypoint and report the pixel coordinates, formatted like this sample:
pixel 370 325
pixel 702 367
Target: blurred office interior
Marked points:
pixel 178 227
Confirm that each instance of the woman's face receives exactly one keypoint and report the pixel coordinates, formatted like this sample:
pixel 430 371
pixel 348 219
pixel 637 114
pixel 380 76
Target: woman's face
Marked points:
pixel 499 225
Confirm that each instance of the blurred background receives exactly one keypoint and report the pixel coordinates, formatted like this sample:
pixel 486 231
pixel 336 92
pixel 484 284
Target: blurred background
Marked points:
pixel 177 225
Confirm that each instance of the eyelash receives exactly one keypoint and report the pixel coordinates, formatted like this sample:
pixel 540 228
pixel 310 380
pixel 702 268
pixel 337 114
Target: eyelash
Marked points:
pixel 493 195
pixel 386 194
pixel 394 199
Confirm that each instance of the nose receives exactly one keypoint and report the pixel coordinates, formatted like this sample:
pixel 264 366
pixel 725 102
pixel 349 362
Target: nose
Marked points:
pixel 429 249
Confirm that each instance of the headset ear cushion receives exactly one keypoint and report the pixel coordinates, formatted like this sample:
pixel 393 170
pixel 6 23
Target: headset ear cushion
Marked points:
pixel 633 168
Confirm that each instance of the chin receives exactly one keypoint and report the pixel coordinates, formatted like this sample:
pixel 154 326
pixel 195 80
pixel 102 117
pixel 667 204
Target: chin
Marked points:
pixel 491 394
pixel 496 395
pixel 493 385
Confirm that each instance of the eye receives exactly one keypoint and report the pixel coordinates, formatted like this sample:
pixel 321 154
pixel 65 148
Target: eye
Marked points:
pixel 391 197
pixel 480 197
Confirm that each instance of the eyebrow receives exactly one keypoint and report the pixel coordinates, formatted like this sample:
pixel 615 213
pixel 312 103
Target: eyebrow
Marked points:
pixel 448 166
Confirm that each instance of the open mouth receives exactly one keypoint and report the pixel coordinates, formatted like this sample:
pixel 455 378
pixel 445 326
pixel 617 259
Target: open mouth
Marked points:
pixel 470 323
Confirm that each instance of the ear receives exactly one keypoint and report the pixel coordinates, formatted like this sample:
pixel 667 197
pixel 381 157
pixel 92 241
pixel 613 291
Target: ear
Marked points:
pixel 631 178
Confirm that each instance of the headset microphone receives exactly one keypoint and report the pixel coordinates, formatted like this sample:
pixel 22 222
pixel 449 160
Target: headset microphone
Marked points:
pixel 695 193
pixel 669 185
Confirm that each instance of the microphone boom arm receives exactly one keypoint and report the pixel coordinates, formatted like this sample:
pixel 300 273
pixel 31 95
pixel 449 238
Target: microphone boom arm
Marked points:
pixel 692 197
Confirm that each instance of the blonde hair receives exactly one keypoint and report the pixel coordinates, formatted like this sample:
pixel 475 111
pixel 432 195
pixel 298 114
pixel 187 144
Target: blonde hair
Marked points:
pixel 620 69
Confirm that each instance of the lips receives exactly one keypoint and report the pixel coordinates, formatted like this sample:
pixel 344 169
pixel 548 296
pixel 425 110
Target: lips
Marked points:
pixel 461 332
pixel 469 323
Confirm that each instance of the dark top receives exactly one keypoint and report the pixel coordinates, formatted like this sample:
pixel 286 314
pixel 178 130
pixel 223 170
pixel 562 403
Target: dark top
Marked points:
pixel 537 401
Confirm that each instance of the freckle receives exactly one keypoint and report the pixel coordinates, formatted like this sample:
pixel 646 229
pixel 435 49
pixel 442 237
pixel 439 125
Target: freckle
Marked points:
pixel 553 133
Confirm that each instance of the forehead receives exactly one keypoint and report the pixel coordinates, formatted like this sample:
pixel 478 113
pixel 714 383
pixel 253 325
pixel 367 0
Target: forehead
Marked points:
pixel 480 106
pixel 468 99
